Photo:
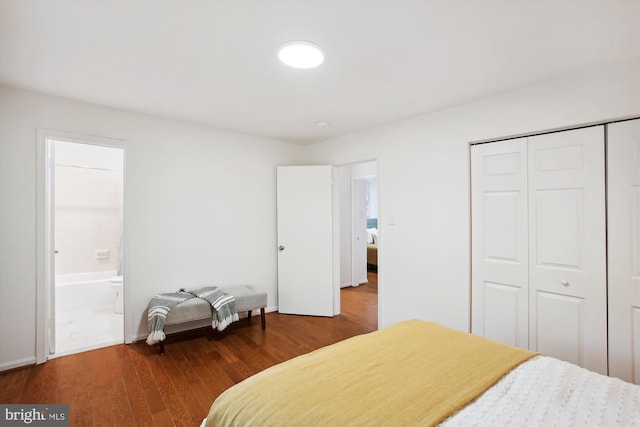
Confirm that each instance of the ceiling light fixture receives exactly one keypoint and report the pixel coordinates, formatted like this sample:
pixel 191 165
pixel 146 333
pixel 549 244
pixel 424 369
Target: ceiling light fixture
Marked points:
pixel 322 124
pixel 301 54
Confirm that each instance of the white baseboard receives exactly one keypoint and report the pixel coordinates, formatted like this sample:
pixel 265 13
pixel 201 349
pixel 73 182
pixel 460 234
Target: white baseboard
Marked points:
pixel 17 363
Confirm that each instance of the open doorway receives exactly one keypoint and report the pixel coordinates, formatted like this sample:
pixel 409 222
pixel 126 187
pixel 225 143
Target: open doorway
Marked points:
pixel 86 203
pixel 358 192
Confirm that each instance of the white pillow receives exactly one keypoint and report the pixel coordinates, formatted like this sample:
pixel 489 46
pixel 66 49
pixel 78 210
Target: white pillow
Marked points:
pixel 370 235
pixel 374 232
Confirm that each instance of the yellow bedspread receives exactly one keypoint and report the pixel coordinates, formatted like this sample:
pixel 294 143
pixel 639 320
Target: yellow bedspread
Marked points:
pixel 413 373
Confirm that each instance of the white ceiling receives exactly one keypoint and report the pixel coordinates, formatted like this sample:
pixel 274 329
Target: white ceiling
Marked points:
pixel 215 62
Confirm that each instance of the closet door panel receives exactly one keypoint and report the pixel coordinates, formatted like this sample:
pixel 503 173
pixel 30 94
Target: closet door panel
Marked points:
pixel 563 317
pixel 623 189
pixel 567 262
pixel 502 311
pixel 499 242
pixel 559 228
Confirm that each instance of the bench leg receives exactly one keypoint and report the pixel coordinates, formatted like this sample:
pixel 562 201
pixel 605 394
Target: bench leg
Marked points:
pixel 162 347
pixel 249 317
pixel 263 318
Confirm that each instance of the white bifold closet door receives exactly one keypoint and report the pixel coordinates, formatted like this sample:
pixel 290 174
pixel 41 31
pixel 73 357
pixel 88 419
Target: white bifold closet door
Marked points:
pixel 623 183
pixel 567 247
pixel 500 262
pixel 546 224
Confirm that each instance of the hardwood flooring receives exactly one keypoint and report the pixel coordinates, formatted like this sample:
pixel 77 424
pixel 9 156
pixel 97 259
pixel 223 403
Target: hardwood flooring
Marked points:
pixel 132 385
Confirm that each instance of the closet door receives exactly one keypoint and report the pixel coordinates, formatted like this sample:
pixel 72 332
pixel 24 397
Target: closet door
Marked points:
pixel 623 188
pixel 567 252
pixel 499 241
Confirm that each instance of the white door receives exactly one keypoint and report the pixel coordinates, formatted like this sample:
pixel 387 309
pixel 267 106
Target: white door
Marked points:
pixel 623 182
pixel 499 242
pixel 305 240
pixel 359 230
pixel 567 252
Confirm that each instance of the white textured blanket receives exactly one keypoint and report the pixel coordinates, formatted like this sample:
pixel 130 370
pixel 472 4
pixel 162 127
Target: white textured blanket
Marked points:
pixel 548 392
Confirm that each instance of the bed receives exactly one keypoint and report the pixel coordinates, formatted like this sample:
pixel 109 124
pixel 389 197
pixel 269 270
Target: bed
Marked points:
pixel 372 255
pixel 417 373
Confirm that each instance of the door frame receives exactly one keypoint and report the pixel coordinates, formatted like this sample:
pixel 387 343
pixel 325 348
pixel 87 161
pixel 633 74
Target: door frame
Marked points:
pixel 45 251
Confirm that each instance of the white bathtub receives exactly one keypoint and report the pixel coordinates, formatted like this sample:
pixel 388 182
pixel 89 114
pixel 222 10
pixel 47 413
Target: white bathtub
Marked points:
pixel 83 290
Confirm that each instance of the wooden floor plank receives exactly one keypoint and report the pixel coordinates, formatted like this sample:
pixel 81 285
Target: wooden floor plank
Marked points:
pixel 135 393
pixel 189 367
pixel 132 385
pixel 13 385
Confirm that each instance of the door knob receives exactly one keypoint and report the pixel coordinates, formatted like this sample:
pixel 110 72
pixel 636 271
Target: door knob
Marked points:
pixel 281 248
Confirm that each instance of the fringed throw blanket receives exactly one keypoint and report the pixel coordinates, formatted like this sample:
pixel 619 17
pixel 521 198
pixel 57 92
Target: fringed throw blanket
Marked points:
pixel 222 304
pixel 159 308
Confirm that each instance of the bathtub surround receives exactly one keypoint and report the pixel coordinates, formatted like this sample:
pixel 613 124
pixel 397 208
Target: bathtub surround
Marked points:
pixel 88 205
pixel 79 290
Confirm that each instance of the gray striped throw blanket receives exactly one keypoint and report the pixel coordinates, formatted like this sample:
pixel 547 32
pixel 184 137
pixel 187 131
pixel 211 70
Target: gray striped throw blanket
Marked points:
pixel 222 304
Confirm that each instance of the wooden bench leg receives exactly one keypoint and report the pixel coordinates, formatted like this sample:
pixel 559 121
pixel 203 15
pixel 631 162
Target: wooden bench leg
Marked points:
pixel 162 347
pixel 263 318
pixel 249 317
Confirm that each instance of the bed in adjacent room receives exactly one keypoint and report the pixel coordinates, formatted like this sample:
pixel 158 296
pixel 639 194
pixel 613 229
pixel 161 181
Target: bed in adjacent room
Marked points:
pixel 417 373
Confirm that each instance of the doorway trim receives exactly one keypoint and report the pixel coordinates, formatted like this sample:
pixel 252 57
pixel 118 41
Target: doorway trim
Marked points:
pixel 44 229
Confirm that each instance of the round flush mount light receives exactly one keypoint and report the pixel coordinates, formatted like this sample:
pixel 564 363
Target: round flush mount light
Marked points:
pixel 322 124
pixel 301 54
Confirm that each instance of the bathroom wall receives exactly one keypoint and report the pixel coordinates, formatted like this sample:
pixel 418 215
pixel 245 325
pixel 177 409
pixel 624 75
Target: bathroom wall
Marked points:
pixel 88 201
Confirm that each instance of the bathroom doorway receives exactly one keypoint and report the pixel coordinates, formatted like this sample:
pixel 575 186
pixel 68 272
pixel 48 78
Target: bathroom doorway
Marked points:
pixel 86 203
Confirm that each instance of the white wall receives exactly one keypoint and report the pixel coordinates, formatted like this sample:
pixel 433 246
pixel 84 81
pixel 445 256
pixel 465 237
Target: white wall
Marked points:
pixel 424 182
pixel 200 207
pixel 201 202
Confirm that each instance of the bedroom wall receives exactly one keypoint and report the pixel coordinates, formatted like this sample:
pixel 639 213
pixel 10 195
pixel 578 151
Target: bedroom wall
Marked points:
pixel 200 207
pixel 199 199
pixel 424 181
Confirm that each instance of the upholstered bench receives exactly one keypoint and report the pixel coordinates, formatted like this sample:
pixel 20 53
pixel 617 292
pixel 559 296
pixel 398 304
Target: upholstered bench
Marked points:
pixel 196 313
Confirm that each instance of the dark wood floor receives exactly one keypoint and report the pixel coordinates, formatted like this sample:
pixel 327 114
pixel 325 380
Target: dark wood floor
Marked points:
pixel 131 385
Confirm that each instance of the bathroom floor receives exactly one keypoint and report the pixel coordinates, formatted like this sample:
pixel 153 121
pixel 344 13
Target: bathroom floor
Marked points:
pixel 87 329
